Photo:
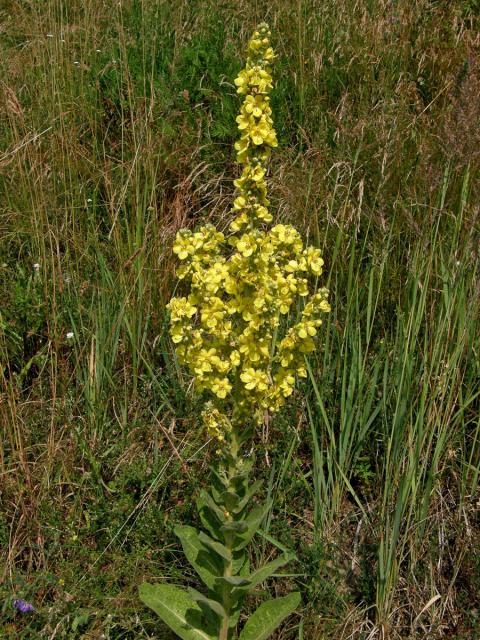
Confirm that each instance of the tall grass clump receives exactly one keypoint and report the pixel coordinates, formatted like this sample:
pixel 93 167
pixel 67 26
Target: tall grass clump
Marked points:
pixel 405 405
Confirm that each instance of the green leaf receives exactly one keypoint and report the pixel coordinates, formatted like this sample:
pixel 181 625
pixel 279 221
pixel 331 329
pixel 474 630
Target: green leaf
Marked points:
pixel 244 569
pixel 209 520
pixel 253 522
pixel 270 568
pixel 230 499
pixel 269 615
pixel 217 547
pixel 241 564
pixel 213 605
pixel 273 541
pixel 233 581
pixel 235 527
pixel 219 480
pixel 207 501
pixel 250 492
pixel 200 557
pixel 176 608
pixel 264 572
pixel 234 617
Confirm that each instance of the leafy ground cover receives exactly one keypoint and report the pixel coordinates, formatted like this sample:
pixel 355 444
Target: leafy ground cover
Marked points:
pixel 117 124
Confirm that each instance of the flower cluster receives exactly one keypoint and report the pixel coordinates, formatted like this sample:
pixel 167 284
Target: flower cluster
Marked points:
pixel 231 330
pixel 23 606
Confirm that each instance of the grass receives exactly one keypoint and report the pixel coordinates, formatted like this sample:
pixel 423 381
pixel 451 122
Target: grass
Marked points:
pixel 117 123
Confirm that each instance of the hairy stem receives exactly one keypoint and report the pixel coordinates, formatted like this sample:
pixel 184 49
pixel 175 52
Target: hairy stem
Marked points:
pixel 229 542
pixel 227 573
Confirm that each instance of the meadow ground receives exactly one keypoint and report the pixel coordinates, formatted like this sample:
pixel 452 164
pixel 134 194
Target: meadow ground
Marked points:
pixel 117 124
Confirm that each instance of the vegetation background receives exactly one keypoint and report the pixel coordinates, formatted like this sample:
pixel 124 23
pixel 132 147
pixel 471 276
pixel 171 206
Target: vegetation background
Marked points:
pixel 117 124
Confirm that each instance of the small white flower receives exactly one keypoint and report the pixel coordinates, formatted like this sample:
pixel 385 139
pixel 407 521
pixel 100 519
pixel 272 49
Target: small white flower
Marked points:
pixel 99 50
pixel 76 62
pixel 70 335
pixel 36 266
pixel 89 199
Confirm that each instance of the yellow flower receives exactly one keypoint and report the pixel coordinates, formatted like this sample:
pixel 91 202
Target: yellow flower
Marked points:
pixel 254 105
pixel 180 308
pixel 242 81
pixel 203 361
pixel 240 222
pixel 243 122
pixel 239 203
pixel 246 245
pixel 306 329
pixel 254 379
pixel 285 234
pixel 314 260
pixel 216 422
pixel 183 245
pixel 286 381
pixel 220 387
pixel 263 213
pixel 253 348
pixel 213 313
pixel 257 173
pixel 177 333
pixel 292 266
pixel 324 306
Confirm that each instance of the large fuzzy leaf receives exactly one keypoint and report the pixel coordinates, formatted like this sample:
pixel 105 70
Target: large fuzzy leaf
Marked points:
pixel 201 558
pixel 269 615
pixel 177 609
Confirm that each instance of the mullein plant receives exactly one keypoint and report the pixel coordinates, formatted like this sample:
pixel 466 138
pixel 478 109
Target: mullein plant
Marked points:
pixel 231 332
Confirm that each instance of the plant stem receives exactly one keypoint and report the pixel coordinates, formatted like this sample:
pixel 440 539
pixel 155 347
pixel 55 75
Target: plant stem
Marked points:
pixel 229 539
pixel 227 573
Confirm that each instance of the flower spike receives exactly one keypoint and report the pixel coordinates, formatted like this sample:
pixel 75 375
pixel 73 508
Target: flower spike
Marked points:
pixel 230 330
